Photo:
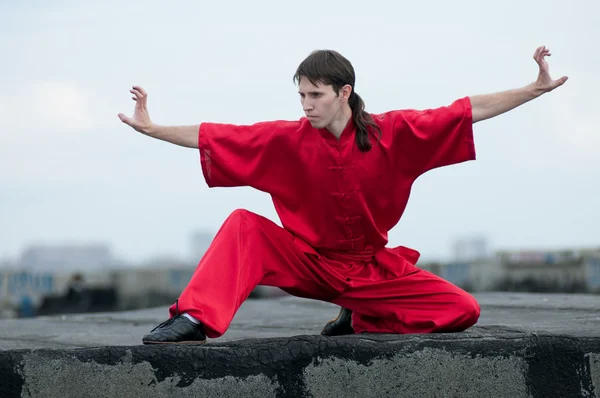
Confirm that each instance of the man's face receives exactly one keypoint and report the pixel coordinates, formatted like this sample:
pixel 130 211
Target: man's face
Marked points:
pixel 320 103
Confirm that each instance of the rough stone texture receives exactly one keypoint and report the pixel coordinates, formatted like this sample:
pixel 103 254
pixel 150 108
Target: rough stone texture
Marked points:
pixel 431 372
pixel 72 377
pixel 523 346
pixel 594 364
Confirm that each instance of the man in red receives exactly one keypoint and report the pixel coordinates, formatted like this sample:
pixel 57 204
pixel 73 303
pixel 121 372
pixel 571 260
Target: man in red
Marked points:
pixel 340 179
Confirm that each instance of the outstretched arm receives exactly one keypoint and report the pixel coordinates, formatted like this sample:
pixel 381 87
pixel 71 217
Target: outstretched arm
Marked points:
pixel 490 105
pixel 186 136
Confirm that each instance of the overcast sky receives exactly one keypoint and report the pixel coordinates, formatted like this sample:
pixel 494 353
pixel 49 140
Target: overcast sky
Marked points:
pixel 71 172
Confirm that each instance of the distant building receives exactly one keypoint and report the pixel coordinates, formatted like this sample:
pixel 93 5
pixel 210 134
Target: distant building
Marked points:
pixel 67 257
pixel 164 262
pixel 565 270
pixel 471 249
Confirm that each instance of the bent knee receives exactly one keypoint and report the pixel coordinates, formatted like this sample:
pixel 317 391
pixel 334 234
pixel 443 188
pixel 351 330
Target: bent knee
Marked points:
pixel 244 217
pixel 469 307
pixel 239 215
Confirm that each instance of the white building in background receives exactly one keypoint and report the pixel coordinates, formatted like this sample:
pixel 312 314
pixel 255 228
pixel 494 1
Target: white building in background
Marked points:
pixel 6 263
pixel 471 249
pixel 67 257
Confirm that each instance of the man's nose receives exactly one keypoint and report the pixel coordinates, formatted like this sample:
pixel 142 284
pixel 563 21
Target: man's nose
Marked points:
pixel 307 105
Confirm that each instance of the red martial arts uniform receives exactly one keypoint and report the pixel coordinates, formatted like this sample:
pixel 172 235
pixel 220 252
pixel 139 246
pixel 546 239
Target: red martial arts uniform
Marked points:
pixel 336 205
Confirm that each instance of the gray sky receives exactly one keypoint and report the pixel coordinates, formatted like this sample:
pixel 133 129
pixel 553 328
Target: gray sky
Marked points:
pixel 71 172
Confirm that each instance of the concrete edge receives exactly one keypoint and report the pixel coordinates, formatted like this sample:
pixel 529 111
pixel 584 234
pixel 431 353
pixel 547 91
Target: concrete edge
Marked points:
pixel 509 364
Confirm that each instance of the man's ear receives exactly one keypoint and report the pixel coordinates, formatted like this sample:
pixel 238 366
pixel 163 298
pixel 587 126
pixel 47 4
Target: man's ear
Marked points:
pixel 345 92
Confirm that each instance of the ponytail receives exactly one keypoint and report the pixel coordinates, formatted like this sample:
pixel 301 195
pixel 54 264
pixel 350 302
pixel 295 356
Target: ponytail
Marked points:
pixel 362 120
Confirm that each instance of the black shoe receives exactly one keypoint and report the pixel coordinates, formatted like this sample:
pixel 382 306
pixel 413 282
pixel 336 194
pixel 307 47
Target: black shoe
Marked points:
pixel 176 330
pixel 341 325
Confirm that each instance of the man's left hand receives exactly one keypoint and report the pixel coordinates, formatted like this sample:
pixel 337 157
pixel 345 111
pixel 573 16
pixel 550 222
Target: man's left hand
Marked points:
pixel 544 82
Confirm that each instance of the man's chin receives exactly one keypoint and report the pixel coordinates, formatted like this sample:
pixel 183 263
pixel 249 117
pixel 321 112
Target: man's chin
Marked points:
pixel 316 124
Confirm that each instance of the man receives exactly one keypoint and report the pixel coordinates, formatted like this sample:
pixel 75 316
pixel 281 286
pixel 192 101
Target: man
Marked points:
pixel 340 179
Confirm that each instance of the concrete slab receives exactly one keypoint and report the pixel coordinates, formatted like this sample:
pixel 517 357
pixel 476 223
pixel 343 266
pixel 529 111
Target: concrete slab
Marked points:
pixel 572 315
pixel 525 345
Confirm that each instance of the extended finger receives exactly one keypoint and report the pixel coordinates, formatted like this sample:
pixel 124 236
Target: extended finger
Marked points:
pixel 139 98
pixel 136 93
pixel 141 90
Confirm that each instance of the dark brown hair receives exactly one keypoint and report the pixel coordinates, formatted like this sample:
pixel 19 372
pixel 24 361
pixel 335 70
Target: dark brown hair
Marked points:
pixel 331 68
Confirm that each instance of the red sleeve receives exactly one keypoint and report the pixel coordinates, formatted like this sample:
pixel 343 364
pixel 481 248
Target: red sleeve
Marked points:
pixel 253 155
pixel 434 138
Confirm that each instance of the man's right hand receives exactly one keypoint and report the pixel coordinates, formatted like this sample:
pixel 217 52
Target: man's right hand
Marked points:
pixel 186 136
pixel 141 119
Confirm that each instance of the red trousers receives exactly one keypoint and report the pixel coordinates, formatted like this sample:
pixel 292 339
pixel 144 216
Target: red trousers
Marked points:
pixel 250 250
